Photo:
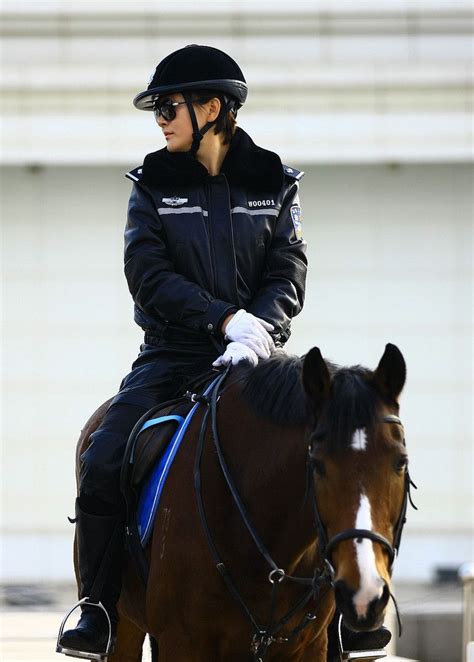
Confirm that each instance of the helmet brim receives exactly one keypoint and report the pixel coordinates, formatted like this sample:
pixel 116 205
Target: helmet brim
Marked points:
pixel 234 88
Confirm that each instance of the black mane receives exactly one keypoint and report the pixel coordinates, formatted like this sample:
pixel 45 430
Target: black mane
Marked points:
pixel 274 389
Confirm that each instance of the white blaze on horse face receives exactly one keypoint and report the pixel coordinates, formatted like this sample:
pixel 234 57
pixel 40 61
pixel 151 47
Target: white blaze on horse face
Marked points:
pixel 371 584
pixel 359 440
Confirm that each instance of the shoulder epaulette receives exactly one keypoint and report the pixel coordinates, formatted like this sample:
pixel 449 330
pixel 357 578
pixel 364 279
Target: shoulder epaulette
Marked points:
pixel 293 172
pixel 135 175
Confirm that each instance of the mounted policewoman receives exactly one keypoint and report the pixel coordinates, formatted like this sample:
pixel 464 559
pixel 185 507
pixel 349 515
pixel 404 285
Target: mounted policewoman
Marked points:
pixel 215 263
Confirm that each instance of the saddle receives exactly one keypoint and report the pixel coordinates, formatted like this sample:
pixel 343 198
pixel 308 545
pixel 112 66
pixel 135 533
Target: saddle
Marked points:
pixel 151 449
pixel 154 438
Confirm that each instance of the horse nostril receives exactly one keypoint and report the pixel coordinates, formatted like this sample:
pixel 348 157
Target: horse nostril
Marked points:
pixel 385 593
pixel 343 592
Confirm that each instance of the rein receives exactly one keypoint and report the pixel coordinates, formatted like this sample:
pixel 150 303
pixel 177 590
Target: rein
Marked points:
pixel 265 636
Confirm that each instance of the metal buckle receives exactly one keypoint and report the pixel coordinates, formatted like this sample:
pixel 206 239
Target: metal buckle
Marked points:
pixel 347 656
pixel 72 652
pixel 257 640
pixel 191 396
pixel 276 576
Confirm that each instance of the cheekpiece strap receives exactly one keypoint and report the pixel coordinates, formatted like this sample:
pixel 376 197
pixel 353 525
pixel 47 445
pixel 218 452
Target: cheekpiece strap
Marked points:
pixel 197 134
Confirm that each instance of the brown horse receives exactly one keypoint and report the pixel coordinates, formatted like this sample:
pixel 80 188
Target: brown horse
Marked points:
pixel 252 566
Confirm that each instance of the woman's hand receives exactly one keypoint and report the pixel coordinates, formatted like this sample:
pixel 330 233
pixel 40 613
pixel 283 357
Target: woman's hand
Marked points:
pixel 251 331
pixel 236 352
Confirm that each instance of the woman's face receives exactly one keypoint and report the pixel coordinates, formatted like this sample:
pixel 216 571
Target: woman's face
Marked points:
pixel 178 132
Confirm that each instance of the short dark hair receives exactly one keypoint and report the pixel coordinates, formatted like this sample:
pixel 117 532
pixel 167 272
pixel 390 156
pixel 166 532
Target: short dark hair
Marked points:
pixel 225 122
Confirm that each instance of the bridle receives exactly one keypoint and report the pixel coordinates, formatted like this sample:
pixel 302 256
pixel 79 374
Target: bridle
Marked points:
pixel 265 636
pixel 327 546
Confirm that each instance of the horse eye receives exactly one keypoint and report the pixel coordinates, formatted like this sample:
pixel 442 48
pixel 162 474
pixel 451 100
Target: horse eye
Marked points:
pixel 401 464
pixel 319 468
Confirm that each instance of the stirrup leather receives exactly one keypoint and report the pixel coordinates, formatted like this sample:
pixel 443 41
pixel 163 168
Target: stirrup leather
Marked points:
pixel 72 652
pixel 347 655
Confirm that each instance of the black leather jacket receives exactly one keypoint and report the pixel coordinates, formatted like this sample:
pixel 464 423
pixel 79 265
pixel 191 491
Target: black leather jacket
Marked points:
pixel 198 247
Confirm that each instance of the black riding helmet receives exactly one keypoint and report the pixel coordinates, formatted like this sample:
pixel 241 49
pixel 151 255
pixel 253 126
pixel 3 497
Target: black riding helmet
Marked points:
pixel 196 68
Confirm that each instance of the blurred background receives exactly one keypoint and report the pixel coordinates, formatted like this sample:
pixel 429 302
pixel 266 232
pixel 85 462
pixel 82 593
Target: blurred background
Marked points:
pixel 373 100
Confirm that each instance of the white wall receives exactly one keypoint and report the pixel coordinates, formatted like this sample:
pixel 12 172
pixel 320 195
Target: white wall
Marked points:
pixel 389 251
pixel 330 81
pixel 391 256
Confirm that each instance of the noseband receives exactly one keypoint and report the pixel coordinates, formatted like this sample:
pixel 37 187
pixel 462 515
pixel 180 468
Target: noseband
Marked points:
pixel 327 545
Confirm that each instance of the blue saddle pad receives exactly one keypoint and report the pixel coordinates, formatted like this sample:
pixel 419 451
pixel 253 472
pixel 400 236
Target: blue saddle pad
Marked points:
pixel 153 487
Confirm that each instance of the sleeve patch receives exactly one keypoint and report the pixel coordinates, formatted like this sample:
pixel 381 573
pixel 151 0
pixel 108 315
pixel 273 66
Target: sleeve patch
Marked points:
pixel 297 218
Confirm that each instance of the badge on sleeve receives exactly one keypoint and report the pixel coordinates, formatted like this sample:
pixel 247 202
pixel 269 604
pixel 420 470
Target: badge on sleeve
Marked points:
pixel 297 218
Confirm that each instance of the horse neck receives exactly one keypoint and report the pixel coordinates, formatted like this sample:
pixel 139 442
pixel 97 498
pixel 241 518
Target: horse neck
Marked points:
pixel 269 465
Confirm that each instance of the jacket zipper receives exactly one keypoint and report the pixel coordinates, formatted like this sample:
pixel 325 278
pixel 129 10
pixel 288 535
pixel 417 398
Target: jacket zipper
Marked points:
pixel 211 240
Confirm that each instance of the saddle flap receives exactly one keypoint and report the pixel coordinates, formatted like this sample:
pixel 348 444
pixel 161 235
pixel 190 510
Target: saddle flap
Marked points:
pixel 150 454
pixel 154 438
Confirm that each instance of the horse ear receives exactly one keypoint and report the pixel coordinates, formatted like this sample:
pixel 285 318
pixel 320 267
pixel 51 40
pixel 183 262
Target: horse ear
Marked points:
pixel 316 378
pixel 391 372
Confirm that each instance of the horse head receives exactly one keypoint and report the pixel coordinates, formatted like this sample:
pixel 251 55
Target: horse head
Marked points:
pixel 359 472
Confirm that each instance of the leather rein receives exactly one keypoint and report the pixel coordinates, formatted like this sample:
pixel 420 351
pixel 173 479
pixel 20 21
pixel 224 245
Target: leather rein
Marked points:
pixel 265 636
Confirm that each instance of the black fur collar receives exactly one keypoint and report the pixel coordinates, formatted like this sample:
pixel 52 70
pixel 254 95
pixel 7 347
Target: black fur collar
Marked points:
pixel 245 164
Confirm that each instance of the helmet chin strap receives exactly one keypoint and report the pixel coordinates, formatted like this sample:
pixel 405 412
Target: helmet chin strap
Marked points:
pixel 198 133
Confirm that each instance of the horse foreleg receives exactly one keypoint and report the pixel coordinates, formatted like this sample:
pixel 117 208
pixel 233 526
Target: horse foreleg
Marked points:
pixel 129 645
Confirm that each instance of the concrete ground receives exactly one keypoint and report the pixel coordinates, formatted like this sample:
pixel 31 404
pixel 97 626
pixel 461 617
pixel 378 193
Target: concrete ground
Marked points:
pixel 30 617
pixel 39 645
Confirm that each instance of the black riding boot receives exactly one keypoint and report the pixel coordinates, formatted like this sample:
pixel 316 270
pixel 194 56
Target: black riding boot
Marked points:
pixel 100 547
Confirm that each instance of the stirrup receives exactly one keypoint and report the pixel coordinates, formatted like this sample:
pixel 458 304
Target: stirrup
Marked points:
pixel 72 652
pixel 347 656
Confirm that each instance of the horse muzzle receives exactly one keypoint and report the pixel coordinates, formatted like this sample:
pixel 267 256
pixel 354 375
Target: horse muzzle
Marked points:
pixel 361 613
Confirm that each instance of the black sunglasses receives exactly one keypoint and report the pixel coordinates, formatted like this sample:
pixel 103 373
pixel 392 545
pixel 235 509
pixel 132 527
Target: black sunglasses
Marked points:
pixel 167 108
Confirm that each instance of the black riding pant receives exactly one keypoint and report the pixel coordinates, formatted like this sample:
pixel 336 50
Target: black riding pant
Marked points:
pixel 161 372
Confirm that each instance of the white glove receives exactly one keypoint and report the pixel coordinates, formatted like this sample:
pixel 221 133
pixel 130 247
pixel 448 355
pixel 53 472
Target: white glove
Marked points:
pixel 235 352
pixel 252 331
